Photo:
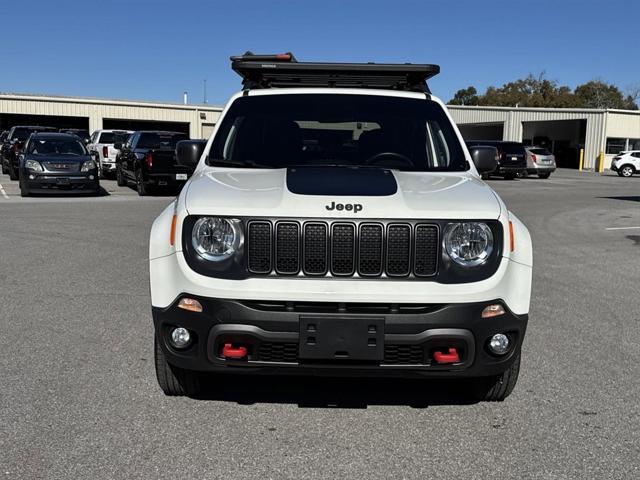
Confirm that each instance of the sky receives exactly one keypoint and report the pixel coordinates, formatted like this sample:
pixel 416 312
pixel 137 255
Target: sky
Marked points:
pixel 157 49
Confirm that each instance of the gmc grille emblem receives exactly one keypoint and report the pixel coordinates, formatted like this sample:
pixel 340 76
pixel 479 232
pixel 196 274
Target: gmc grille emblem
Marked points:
pixel 349 207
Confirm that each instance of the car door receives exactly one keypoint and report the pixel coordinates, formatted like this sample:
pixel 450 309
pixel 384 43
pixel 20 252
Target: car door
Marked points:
pixel 129 155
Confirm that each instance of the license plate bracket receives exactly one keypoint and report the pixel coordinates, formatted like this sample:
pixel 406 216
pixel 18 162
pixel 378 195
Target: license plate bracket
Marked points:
pixel 341 338
pixel 62 181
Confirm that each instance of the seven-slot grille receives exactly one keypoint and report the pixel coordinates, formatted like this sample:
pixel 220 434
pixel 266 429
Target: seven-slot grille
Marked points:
pixel 342 249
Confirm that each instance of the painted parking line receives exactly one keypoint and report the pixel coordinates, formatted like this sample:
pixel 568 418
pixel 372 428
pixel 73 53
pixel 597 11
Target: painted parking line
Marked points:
pixel 623 228
pixel 4 194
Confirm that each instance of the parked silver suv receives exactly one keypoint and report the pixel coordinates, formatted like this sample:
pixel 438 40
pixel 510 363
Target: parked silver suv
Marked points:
pixel 101 147
pixel 540 161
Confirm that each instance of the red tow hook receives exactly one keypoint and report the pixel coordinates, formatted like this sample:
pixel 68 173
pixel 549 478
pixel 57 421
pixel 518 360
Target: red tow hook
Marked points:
pixel 229 351
pixel 451 357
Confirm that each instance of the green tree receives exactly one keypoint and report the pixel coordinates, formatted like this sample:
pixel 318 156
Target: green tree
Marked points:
pixel 600 94
pixel 465 96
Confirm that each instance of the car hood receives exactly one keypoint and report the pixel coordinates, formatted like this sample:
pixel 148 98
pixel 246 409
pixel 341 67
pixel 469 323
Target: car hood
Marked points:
pixel 272 193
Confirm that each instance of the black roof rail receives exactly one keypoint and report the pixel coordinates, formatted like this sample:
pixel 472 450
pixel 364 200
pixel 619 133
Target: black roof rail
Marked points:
pixel 284 71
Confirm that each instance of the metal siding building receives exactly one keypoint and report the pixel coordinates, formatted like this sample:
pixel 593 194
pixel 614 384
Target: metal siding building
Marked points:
pixel 587 129
pixel 94 114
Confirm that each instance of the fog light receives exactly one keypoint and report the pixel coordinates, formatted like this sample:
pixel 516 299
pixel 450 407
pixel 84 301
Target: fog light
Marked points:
pixel 190 304
pixel 32 177
pixel 499 344
pixel 91 177
pixel 180 337
pixel 492 311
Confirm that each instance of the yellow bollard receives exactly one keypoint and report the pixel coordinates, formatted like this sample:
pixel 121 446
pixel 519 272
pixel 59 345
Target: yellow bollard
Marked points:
pixel 601 166
pixel 581 159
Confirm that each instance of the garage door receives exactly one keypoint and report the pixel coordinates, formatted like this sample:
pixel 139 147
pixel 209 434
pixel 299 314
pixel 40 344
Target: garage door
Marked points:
pixel 207 129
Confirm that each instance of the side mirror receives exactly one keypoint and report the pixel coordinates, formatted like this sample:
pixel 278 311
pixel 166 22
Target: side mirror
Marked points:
pixel 485 158
pixel 117 146
pixel 188 152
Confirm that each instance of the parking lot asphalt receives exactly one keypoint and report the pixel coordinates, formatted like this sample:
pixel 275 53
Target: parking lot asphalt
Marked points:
pixel 79 398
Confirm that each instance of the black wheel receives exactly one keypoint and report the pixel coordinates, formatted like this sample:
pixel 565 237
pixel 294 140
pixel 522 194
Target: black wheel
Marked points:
pixel 13 174
pixel 544 175
pixel 120 180
pixel 627 170
pixel 174 381
pixel 142 187
pixel 497 387
pixel 101 174
pixel 509 176
pixel 24 191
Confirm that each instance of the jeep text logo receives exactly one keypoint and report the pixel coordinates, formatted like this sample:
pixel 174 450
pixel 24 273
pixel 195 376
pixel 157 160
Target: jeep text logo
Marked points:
pixel 349 207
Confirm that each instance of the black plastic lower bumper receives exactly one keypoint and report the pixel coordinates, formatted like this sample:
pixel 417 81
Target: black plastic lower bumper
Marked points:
pixel 284 337
pixel 55 182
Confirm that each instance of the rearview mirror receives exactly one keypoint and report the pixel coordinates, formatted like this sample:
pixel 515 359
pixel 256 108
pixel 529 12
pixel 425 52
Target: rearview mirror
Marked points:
pixel 485 158
pixel 188 152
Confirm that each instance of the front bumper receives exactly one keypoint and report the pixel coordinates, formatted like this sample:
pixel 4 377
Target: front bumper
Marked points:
pixel 275 334
pixel 50 182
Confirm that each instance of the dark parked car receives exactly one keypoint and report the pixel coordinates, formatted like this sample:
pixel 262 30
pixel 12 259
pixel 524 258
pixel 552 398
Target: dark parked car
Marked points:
pixel 13 146
pixel 57 162
pixel 512 157
pixel 148 159
pixel 3 136
pixel 79 132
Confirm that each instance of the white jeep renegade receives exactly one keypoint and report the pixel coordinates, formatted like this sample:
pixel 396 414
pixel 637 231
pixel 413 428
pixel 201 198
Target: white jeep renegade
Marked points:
pixel 337 224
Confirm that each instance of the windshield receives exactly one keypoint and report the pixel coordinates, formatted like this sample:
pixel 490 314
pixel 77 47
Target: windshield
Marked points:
pixel 113 137
pixel 276 131
pixel 22 134
pixel 540 151
pixel 160 140
pixel 56 146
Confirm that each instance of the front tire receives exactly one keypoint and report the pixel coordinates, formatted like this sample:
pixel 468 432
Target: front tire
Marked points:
pixel 627 171
pixel 544 175
pixel 13 175
pixel 174 381
pixel 24 190
pixel 120 180
pixel 143 189
pixel 497 387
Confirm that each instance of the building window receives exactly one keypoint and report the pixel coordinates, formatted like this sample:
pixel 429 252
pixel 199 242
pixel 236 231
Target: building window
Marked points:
pixel 616 145
pixel 634 144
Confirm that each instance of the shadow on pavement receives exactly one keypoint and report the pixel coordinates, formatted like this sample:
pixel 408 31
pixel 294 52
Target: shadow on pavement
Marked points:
pixel 632 198
pixel 332 392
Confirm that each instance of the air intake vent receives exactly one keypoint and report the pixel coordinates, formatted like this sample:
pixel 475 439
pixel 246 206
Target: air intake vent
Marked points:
pixel 426 250
pixel 371 251
pixel 398 250
pixel 316 251
pixel 259 247
pixel 287 248
pixel 343 239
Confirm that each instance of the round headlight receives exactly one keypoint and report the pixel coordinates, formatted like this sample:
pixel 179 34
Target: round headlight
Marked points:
pixel 215 238
pixel 468 244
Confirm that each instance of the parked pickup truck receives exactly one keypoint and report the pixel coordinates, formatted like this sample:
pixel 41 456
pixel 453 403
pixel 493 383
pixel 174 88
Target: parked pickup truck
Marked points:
pixel 148 160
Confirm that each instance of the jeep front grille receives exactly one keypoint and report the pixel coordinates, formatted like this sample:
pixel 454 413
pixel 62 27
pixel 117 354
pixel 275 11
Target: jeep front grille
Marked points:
pixel 342 249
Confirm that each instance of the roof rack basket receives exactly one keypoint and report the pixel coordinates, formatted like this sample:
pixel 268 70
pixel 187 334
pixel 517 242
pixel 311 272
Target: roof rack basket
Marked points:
pixel 284 71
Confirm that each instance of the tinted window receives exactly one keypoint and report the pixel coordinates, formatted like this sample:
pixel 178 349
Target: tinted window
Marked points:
pixel 113 137
pixel 512 148
pixel 160 140
pixel 615 145
pixel 22 133
pixel 540 151
pixel 275 131
pixel 56 146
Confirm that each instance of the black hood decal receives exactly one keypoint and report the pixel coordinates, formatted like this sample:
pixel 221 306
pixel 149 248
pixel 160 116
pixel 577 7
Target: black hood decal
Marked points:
pixel 341 181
